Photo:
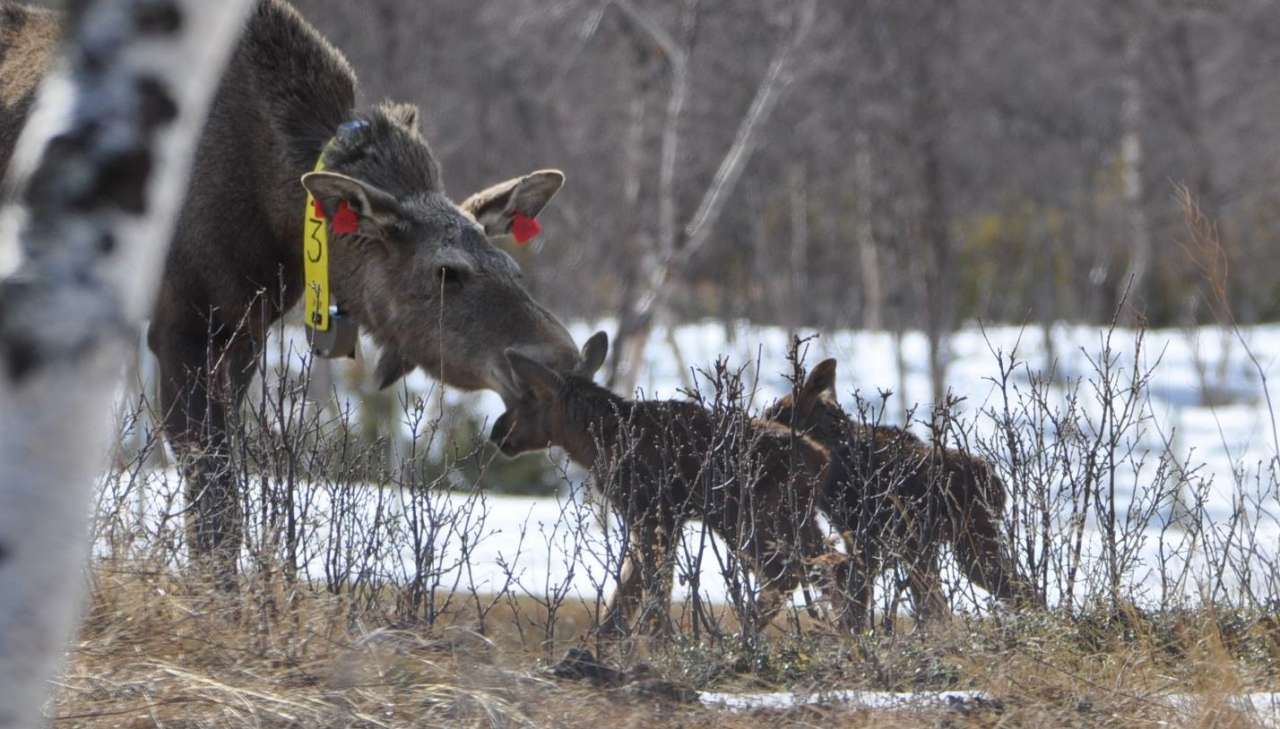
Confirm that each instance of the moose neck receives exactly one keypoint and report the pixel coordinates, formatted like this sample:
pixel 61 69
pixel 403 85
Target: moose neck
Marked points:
pixel 590 417
pixel 293 90
pixel 306 83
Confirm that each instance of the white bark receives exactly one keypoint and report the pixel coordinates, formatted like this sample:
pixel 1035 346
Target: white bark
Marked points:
pixel 864 232
pixel 798 257
pixel 74 304
pixel 1131 161
pixel 660 267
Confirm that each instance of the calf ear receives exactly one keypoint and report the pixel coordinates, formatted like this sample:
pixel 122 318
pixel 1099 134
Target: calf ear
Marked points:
pixel 821 381
pixel 496 207
pixel 593 355
pixel 377 210
pixel 391 367
pixel 533 375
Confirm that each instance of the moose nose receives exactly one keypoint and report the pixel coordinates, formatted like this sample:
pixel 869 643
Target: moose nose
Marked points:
pixel 501 429
pixel 553 346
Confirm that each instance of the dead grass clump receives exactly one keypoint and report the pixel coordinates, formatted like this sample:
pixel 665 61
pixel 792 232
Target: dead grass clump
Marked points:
pixel 158 651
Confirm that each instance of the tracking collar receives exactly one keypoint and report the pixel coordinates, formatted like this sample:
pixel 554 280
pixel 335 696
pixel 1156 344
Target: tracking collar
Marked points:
pixel 331 332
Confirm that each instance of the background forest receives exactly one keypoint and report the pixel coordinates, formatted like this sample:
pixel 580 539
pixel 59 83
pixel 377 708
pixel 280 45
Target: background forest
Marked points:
pixel 1016 161
pixel 1038 235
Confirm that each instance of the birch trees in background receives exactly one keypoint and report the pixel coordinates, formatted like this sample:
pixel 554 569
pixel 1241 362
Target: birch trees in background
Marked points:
pixel 662 266
pixel 1133 284
pixel 101 171
pixel 1039 124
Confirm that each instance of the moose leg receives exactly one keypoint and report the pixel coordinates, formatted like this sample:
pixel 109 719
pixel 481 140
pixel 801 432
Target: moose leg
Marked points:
pixel 855 583
pixel 644 582
pixel 779 577
pixel 201 380
pixel 782 567
pixel 842 580
pixel 924 579
pixel 658 572
pixel 625 598
pixel 981 555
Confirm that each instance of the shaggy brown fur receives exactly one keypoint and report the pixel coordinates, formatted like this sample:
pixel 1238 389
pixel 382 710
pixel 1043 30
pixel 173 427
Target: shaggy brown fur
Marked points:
pixel 421 275
pixel 897 500
pixel 28 38
pixel 660 463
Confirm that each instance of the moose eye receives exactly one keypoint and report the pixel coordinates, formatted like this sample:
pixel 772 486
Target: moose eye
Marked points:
pixel 451 276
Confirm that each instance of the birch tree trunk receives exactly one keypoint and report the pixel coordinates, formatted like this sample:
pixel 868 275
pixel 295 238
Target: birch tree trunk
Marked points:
pixel 864 231
pixel 798 293
pixel 636 321
pixel 929 114
pixel 103 164
pixel 1131 160
pixel 676 247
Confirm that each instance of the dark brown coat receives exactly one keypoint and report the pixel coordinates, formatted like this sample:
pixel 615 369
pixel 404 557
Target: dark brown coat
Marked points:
pixel 897 500
pixel 660 463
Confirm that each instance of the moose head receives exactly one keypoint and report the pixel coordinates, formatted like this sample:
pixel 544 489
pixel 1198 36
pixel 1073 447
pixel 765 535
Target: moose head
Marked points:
pixel 420 272
pixel 542 415
pixel 814 408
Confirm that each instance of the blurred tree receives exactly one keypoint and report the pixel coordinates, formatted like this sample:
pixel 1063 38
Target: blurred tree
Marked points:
pixel 90 241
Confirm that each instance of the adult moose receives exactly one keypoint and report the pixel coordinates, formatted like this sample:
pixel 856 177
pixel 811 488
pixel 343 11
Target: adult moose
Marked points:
pixel 416 270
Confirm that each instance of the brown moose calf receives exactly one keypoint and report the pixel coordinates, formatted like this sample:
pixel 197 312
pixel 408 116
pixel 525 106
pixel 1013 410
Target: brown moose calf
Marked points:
pixel 659 463
pixel 897 500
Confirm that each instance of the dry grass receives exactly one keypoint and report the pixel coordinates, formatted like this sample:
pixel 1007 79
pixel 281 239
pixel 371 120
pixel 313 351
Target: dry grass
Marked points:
pixel 158 651
pixel 387 642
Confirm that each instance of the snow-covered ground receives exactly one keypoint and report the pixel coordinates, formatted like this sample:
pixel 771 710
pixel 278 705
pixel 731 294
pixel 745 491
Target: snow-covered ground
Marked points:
pixel 1262 707
pixel 544 545
pixel 1221 424
pixel 1225 437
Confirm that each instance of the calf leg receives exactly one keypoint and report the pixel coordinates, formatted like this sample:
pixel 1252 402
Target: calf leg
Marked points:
pixel 782 567
pixel 856 583
pixel 644 583
pixel 625 599
pixel 658 573
pixel 924 579
pixel 982 557
pixel 846 581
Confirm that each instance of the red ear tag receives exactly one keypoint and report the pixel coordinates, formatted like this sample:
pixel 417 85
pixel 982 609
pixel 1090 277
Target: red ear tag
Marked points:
pixel 345 220
pixel 524 228
pixel 319 210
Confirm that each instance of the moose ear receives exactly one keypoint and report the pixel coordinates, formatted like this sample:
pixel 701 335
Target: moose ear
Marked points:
pixel 391 367
pixel 593 355
pixel 821 381
pixel 406 114
pixel 534 375
pixel 495 208
pixel 376 210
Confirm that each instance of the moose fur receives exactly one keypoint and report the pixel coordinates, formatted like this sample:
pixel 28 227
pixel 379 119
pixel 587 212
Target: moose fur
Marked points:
pixel 421 274
pixel 660 463
pixel 897 500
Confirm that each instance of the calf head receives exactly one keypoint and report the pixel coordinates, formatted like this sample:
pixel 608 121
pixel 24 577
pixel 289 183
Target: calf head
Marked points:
pixel 813 409
pixel 420 272
pixel 540 416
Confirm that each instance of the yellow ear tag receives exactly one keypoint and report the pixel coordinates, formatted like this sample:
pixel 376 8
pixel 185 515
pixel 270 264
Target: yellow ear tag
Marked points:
pixel 315 256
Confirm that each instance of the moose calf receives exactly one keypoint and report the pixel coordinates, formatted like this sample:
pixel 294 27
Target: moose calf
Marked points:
pixel 659 463
pixel 896 499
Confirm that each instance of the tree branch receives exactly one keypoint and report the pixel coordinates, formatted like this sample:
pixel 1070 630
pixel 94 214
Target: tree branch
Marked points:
pixel 731 167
